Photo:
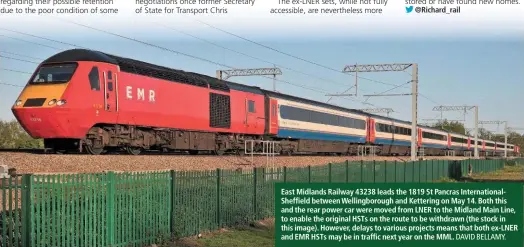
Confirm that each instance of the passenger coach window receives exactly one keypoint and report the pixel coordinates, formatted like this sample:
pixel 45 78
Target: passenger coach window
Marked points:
pixel 299 114
pixel 94 79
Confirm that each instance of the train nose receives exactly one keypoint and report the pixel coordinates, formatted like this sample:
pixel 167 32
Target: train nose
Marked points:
pixel 37 122
pixel 35 117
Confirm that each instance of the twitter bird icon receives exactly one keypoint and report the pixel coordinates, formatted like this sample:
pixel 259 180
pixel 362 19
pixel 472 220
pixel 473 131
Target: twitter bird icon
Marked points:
pixel 409 9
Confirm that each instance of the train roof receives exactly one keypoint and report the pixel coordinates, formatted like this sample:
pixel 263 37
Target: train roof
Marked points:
pixel 314 102
pixel 141 68
pixel 349 110
pixel 195 79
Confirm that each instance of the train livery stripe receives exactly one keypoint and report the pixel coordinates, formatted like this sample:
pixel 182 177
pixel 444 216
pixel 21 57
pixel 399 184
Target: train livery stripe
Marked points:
pixel 383 141
pixel 459 147
pixel 432 145
pixel 301 134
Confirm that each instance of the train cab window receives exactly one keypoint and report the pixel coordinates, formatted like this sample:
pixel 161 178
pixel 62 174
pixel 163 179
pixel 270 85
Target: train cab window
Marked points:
pixel 251 106
pixel 94 79
pixel 54 73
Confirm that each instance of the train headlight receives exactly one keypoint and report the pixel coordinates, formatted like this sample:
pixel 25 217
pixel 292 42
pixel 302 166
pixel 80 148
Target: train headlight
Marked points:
pixel 61 102
pixel 18 102
pixel 52 102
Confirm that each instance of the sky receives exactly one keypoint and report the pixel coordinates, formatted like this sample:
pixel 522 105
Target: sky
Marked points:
pixel 463 71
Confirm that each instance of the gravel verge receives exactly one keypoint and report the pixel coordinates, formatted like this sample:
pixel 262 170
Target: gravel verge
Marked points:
pixel 53 163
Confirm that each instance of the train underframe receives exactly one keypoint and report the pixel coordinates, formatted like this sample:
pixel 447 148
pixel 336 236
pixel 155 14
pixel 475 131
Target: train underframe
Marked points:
pixel 135 139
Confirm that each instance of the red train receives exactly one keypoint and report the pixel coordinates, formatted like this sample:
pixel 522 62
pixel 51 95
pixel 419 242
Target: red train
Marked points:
pixel 82 99
pixel 86 100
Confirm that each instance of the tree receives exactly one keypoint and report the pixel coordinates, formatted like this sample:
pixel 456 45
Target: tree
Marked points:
pixel 12 135
pixel 451 126
pixel 485 134
pixel 516 138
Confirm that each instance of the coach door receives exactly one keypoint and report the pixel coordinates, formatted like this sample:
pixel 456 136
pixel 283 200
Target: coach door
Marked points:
pixel 371 130
pixel 419 137
pixel 110 93
pixel 251 122
pixel 273 117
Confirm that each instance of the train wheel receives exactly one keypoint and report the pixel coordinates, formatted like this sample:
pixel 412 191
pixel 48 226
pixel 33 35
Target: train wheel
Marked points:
pixel 59 151
pixel 133 150
pixel 240 152
pixel 220 152
pixel 194 152
pixel 94 150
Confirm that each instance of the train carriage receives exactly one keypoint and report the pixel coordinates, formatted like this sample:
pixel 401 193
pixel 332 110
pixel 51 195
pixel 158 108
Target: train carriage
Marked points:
pixel 393 137
pixel 480 144
pixel 434 141
pixel 458 143
pixel 489 148
pixel 315 127
pixel 500 148
pixel 85 100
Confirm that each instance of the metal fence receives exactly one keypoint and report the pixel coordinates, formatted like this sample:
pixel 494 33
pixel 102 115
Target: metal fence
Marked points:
pixel 141 208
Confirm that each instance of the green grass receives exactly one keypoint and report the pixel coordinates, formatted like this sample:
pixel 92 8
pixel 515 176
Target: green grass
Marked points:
pixel 261 234
pixel 511 172
pixel 445 180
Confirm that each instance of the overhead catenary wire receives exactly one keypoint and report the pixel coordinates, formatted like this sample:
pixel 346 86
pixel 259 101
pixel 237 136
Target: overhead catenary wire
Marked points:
pixel 247 55
pixel 291 55
pixel 44 38
pixel 297 85
pixel 305 60
pixel 167 49
pixel 18 59
pixel 180 53
pixel 65 43
pixel 9 84
pixel 61 42
pixel 27 41
pixel 262 60
pixel 20 55
pixel 389 90
pixel 16 71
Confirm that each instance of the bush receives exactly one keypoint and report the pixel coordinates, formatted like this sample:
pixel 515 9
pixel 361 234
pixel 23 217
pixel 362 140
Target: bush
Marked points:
pixel 12 135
